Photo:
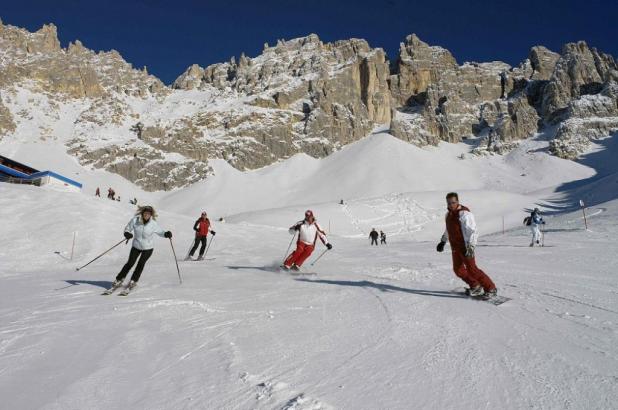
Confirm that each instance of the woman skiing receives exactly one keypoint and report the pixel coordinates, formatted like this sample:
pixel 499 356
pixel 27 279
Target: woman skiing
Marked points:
pixel 141 228
pixel 308 233
pixel 201 227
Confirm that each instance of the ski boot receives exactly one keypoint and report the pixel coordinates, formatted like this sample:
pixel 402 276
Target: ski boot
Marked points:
pixel 490 294
pixel 295 268
pixel 476 291
pixel 117 283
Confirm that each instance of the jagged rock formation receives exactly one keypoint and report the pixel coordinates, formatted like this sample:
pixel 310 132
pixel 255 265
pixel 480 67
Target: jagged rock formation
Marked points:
pixel 301 95
pixel 309 96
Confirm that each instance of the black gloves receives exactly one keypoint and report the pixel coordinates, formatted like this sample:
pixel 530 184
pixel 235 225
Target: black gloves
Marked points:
pixel 168 235
pixel 128 235
pixel 213 233
pixel 329 246
pixel 440 246
pixel 297 227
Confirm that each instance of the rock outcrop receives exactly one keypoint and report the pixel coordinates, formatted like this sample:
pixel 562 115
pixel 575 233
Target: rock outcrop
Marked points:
pixel 298 96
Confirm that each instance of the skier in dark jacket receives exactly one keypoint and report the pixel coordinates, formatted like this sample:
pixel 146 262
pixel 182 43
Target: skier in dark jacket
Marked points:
pixel 373 235
pixel 142 227
pixel 201 227
pixel 382 238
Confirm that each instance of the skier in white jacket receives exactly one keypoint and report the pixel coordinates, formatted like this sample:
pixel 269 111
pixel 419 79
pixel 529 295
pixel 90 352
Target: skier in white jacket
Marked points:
pixel 308 233
pixel 142 228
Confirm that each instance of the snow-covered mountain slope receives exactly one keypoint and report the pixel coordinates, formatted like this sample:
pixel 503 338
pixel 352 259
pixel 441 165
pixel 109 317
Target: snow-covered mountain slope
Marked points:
pixel 376 328
pixel 384 182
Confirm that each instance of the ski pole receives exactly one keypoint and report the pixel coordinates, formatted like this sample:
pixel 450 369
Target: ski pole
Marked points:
pixel 322 254
pixel 176 260
pixel 208 247
pixel 288 250
pixel 123 240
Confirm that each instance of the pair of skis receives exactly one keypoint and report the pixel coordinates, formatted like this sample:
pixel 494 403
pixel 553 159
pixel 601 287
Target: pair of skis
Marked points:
pixel 125 291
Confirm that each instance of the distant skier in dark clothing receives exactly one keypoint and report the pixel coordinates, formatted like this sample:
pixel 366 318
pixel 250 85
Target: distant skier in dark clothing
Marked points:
pixel 382 238
pixel 373 235
pixel 503 80
pixel 201 228
pixel 142 227
pixel 98 192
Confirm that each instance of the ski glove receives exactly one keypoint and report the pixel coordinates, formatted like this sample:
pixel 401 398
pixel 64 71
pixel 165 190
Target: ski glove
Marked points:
pixel 297 227
pixel 213 233
pixel 168 235
pixel 128 235
pixel 329 246
pixel 440 246
pixel 469 251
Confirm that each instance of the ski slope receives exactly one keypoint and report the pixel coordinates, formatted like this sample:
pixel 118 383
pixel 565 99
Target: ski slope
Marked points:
pixel 370 328
pixel 376 328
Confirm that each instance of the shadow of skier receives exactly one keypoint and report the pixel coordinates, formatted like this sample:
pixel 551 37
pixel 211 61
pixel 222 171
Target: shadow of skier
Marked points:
pixel 386 288
pixel 105 284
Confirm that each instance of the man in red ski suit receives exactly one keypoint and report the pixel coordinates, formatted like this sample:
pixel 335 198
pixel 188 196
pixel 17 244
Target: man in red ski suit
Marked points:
pixel 308 233
pixel 462 235
pixel 201 228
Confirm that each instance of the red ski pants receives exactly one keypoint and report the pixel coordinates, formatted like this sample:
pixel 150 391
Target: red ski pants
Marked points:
pixel 467 270
pixel 302 252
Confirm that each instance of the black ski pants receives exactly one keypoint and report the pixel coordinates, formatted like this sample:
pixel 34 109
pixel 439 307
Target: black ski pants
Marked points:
pixel 198 240
pixel 143 257
pixel 374 241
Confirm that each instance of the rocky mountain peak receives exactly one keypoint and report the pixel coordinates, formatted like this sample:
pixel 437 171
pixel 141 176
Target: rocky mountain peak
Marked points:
pixel 300 95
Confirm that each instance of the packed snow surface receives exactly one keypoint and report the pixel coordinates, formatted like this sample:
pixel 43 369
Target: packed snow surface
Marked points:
pixel 364 328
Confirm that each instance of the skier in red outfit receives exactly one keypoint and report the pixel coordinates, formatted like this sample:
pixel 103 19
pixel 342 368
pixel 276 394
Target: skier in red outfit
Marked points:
pixel 201 228
pixel 308 233
pixel 462 235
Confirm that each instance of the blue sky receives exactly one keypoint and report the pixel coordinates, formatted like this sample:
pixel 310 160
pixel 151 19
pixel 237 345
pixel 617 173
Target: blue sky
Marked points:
pixel 168 36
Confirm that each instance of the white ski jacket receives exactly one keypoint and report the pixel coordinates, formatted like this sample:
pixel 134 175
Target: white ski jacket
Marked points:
pixel 468 228
pixel 143 233
pixel 309 232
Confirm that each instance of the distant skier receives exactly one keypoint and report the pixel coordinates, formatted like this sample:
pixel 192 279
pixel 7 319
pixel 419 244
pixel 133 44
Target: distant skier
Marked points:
pixel 373 235
pixel 143 225
pixel 461 233
pixel 382 238
pixel 308 233
pixel 201 227
pixel 534 221
pixel 503 80
pixel 98 192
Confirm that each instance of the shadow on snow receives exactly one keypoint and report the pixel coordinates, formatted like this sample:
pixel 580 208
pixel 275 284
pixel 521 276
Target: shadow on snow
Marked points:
pixel 386 288
pixel 100 283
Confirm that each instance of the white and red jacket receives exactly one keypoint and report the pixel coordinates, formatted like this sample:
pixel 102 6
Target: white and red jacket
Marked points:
pixel 460 228
pixel 309 232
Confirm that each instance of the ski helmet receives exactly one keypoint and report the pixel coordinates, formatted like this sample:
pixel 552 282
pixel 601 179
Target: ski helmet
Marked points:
pixel 204 213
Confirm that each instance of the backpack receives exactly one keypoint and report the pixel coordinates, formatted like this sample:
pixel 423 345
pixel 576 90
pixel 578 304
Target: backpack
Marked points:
pixel 528 221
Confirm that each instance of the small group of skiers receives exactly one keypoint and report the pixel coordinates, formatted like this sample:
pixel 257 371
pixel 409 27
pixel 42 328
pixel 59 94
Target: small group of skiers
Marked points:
pixel 374 235
pixel 460 232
